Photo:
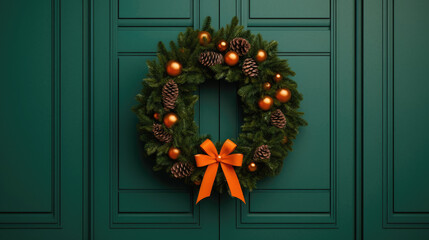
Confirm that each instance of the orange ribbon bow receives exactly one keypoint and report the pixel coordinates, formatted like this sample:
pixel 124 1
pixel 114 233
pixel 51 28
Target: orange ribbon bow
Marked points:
pixel 226 160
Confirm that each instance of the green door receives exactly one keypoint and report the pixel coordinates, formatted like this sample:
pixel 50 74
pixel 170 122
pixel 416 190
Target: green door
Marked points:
pixel 395 136
pixel 313 197
pixel 42 124
pixel 129 200
pixel 70 161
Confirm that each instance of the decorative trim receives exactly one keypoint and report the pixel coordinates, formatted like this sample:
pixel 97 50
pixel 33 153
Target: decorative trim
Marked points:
pixel 282 22
pixel 51 219
pixel 391 218
pixel 160 22
pixel 305 220
pixel 140 220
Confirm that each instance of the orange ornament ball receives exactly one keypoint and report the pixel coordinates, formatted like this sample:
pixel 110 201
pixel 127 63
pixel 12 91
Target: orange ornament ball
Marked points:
pixel 222 45
pixel 266 86
pixel 283 95
pixel 278 77
pixel 261 55
pixel 156 116
pixel 231 58
pixel 284 140
pixel 265 103
pixel 197 182
pixel 204 37
pixel 170 119
pixel 174 68
pixel 252 167
pixel 174 153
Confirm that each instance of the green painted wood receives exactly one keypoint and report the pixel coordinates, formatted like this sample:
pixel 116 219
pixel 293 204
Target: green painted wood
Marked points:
pixel 130 39
pixel 297 39
pixel 313 197
pixel 43 95
pixel 129 200
pixel 280 9
pixel 395 203
pixel 289 13
pixel 297 174
pixel 289 201
pixel 409 119
pixel 161 201
pixel 160 9
pixel 37 96
pixel 133 171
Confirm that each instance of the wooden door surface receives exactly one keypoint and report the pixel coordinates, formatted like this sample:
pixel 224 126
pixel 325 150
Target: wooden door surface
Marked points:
pixel 130 201
pixel 395 136
pixel 69 117
pixel 313 197
pixel 70 161
pixel 42 125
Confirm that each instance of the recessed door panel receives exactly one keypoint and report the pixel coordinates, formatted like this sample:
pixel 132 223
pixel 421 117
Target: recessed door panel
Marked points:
pixel 43 124
pixel 130 200
pixel 395 130
pixel 313 196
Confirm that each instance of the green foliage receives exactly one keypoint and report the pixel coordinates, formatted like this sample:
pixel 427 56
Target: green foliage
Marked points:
pixel 256 129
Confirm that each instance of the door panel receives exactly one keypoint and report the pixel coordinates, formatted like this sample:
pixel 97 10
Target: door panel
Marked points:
pixel 408 81
pixel 44 93
pixel 309 170
pixel 281 9
pixel 313 197
pixel 395 120
pixel 130 200
pixel 42 101
pixel 163 9
pixel 42 97
pixel 142 192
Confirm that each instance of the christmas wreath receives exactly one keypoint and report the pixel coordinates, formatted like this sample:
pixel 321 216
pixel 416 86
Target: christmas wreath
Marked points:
pixel 270 102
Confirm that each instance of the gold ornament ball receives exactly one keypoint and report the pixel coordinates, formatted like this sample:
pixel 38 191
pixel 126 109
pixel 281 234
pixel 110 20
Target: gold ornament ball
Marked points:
pixel 231 58
pixel 156 116
pixel 173 153
pixel 252 167
pixel 174 68
pixel 284 140
pixel 265 103
pixel 283 95
pixel 261 55
pixel 222 45
pixel 170 119
pixel 278 77
pixel 204 37
pixel 266 86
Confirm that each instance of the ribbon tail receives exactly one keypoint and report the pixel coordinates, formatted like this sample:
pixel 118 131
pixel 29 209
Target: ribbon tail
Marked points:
pixel 232 180
pixel 208 180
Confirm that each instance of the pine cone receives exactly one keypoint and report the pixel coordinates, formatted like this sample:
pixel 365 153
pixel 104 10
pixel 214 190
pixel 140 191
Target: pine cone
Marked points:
pixel 170 92
pixel 181 170
pixel 210 58
pixel 240 45
pixel 278 119
pixel 262 152
pixel 250 67
pixel 161 134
